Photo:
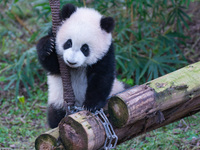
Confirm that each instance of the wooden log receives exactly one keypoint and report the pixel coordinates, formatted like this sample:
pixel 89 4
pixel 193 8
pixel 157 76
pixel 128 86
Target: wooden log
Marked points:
pixel 151 122
pixel 126 107
pixel 157 95
pixel 81 131
pixel 48 140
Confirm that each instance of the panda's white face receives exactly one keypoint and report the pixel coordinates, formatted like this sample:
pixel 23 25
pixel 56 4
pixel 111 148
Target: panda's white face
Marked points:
pixel 75 56
pixel 80 39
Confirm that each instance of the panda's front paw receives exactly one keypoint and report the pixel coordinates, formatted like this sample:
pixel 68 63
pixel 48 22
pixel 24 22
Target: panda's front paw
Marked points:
pixel 93 106
pixel 46 47
pixel 50 46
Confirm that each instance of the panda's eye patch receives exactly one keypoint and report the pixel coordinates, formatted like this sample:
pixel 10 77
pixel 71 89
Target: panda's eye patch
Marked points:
pixel 85 50
pixel 67 44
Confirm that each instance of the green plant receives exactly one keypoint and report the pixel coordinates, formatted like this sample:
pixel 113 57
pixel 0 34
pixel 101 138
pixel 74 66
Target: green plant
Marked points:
pixel 24 69
pixel 147 43
pixel 18 64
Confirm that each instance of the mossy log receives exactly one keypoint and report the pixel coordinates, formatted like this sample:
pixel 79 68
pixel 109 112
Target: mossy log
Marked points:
pixel 139 109
pixel 157 95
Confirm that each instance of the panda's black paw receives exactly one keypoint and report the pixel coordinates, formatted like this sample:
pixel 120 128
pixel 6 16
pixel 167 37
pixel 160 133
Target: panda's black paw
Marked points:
pixel 55 115
pixel 46 47
pixel 93 106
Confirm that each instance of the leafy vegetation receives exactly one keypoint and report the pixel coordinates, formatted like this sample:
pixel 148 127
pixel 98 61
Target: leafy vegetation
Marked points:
pixel 147 37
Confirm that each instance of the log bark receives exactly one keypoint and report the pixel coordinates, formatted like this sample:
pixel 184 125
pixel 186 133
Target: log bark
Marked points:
pixel 152 122
pixel 158 95
pixel 137 110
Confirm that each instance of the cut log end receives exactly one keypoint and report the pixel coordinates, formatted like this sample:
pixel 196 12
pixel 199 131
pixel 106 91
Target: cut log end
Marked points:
pixel 45 142
pixel 117 116
pixel 81 131
pixel 72 133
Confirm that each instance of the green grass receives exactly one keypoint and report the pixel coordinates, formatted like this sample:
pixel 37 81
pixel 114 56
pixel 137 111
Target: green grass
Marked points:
pixel 22 122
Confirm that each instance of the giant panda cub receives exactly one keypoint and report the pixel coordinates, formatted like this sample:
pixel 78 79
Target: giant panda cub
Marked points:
pixel 84 41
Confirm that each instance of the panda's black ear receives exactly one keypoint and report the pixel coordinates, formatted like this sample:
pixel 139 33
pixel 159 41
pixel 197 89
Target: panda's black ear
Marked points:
pixel 107 24
pixel 67 10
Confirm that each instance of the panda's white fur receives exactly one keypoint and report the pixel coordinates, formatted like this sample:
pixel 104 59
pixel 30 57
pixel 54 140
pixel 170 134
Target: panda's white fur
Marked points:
pixel 55 91
pixel 81 27
pixel 76 27
pixel 55 88
pixel 79 85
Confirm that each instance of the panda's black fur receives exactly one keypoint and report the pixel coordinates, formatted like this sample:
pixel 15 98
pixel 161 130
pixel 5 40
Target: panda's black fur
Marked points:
pixel 44 48
pixel 100 75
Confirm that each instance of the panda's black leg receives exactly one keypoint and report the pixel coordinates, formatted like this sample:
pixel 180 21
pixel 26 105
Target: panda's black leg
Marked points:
pixel 55 115
pixel 47 54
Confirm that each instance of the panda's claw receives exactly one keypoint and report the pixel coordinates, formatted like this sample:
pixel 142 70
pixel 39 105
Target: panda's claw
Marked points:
pixel 52 39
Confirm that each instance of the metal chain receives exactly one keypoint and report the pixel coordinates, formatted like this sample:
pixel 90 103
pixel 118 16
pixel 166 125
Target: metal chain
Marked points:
pixel 74 109
pixel 111 137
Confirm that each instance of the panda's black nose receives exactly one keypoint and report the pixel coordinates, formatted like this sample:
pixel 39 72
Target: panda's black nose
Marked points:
pixel 71 63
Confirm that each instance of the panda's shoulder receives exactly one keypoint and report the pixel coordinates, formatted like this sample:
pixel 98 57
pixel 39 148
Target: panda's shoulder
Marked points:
pixel 106 63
